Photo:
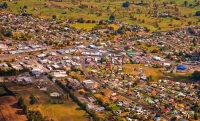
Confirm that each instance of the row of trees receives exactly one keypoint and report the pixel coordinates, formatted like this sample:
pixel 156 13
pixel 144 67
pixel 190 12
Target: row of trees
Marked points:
pixel 5 33
pixel 4 5
pixel 33 115
pixel 8 92
pixel 11 71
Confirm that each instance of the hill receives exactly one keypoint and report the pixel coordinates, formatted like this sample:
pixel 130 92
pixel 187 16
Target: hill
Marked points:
pixel 154 14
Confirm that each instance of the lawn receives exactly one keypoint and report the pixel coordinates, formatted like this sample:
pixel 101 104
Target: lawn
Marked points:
pixel 149 49
pixel 69 111
pixel 114 107
pixel 155 72
pixel 87 26
pixel 116 27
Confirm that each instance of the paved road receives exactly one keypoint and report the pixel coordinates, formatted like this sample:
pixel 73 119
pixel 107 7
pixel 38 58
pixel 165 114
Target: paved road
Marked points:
pixel 134 100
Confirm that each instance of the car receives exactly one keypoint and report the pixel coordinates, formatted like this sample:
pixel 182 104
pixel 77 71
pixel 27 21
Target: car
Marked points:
pixel 26 62
pixel 26 58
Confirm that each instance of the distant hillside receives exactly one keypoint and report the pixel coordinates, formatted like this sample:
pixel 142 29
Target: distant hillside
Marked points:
pixel 154 14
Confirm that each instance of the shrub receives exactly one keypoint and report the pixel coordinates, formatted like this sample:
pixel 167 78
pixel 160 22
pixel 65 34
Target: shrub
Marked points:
pixel 197 13
pixel 126 4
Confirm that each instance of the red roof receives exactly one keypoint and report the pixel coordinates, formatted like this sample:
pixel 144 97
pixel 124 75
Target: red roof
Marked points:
pixel 153 92
pixel 165 110
pixel 128 91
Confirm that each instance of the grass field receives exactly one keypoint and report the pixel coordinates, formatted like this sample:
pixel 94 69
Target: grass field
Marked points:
pixel 9 110
pixel 87 26
pixel 155 72
pixel 97 10
pixel 69 111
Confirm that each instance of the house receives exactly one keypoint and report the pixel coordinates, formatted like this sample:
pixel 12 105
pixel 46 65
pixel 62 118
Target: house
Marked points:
pixel 158 58
pixel 59 74
pixel 166 64
pixel 41 55
pixel 92 46
pixel 54 94
pixel 90 84
pixel 55 66
pixel 75 84
pixel 65 58
pixel 119 111
pixel 61 51
pixel 1 80
pixel 92 100
pixel 27 80
pixel 36 71
pixel 99 109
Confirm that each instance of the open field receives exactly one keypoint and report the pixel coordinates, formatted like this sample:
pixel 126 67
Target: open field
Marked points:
pixel 137 12
pixel 70 111
pixel 9 110
pixel 87 26
pixel 58 112
pixel 155 72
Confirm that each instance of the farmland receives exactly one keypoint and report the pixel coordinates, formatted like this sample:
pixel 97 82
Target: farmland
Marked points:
pixel 9 109
pixel 48 106
pixel 144 13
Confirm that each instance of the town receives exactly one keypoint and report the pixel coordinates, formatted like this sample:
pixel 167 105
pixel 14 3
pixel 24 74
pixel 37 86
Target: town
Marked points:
pixel 126 74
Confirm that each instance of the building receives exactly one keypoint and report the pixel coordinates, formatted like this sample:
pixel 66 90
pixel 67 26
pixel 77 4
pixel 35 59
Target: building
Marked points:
pixel 158 58
pixel 99 109
pixel 54 94
pixel 59 74
pixel 90 84
pixel 36 71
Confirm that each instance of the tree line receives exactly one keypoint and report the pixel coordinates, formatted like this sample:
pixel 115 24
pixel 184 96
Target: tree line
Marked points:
pixel 32 115
pixel 11 71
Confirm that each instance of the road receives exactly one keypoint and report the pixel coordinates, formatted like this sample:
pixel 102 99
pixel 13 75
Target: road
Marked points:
pixel 134 100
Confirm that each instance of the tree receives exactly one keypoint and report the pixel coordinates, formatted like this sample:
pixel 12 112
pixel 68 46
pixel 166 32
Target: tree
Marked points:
pixel 126 4
pixel 25 7
pixel 197 13
pixel 185 3
pixel 53 16
pixel 155 51
pixel 189 22
pixel 112 17
pixel 196 75
pixel 164 4
pixel 4 5
pixel 8 33
pixel 196 116
pixel 33 100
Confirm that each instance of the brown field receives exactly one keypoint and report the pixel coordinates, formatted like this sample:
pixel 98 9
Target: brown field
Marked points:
pixel 10 111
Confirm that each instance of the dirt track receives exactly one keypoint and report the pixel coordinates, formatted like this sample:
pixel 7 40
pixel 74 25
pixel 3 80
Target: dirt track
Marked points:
pixel 10 111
